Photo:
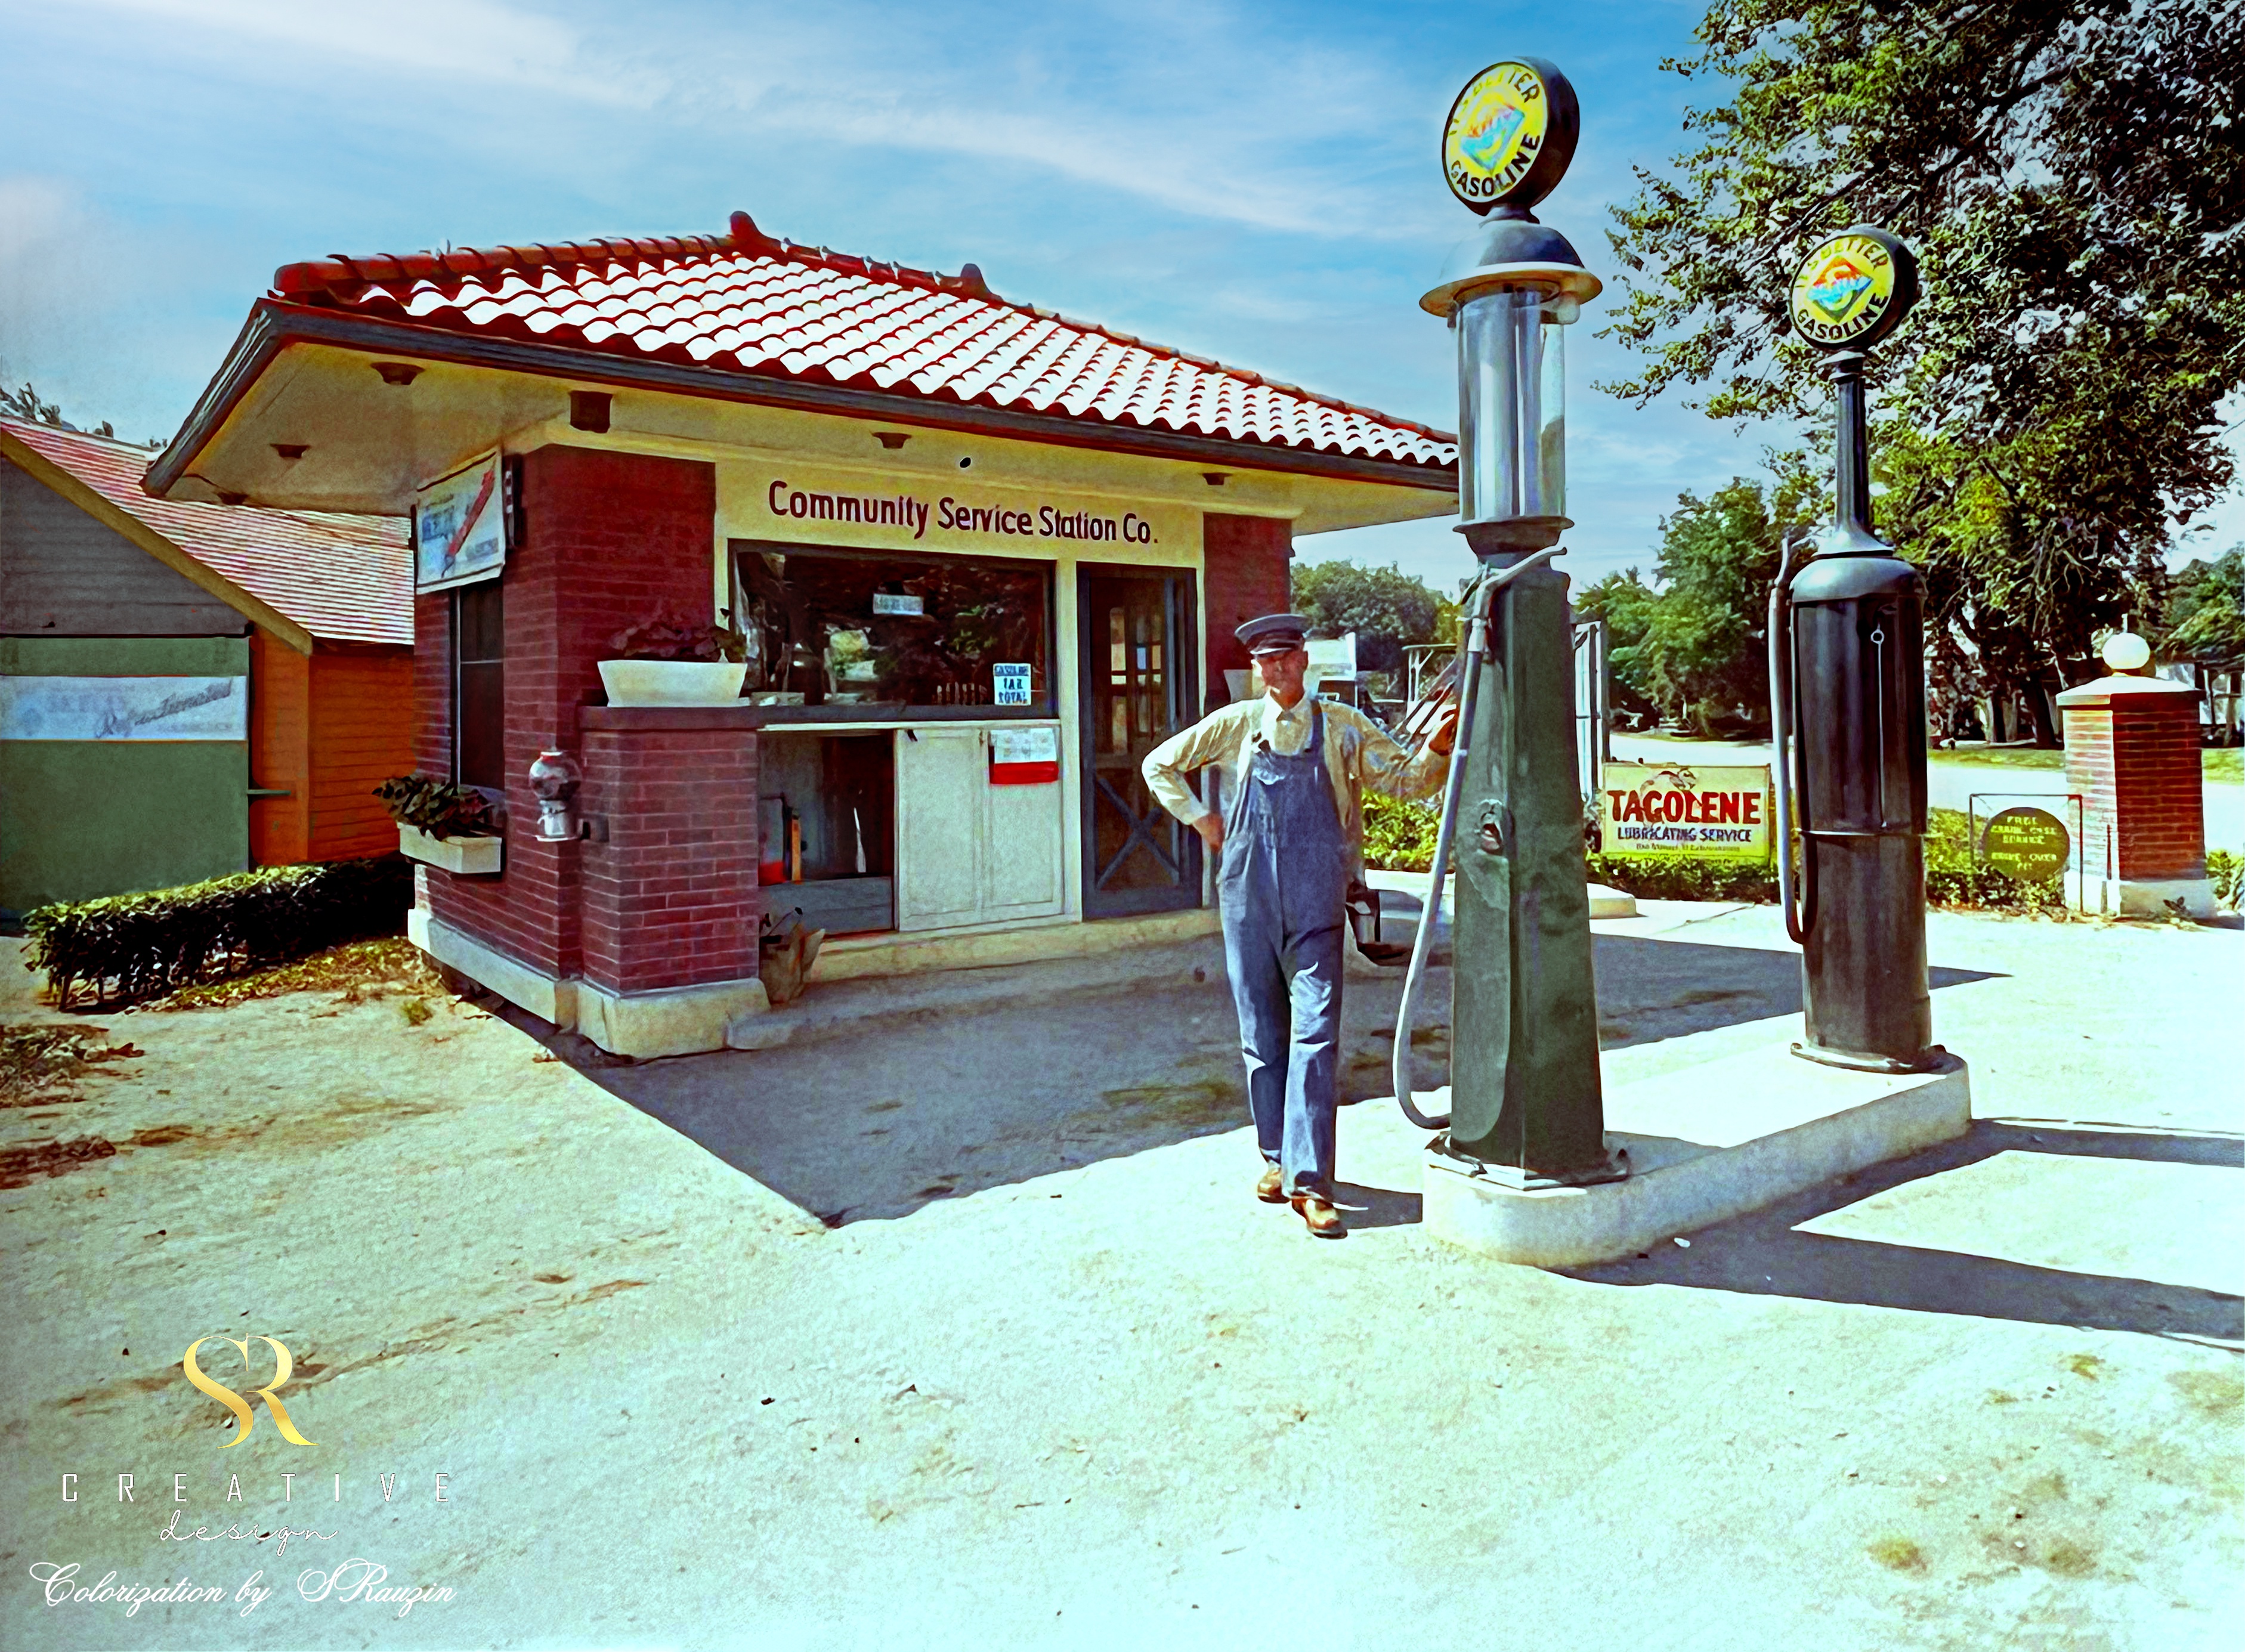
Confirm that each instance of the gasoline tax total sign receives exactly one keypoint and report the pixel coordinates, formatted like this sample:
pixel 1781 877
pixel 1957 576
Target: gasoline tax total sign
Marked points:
pixel 1672 809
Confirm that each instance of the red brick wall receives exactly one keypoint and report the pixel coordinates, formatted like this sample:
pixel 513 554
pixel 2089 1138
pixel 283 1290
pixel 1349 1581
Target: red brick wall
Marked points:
pixel 606 538
pixel 2138 765
pixel 670 899
pixel 1247 575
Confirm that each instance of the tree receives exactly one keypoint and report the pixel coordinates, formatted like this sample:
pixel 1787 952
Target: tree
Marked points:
pixel 2205 617
pixel 1385 606
pixel 1698 647
pixel 2072 175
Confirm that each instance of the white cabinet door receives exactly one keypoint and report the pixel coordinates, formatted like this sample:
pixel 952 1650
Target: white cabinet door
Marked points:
pixel 1023 852
pixel 941 827
pixel 969 852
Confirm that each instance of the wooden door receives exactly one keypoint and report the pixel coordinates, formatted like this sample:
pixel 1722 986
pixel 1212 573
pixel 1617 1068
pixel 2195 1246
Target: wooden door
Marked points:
pixel 1139 657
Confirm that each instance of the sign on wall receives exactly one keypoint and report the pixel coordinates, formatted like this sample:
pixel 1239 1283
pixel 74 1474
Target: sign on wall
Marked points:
pixel 124 708
pixel 1024 756
pixel 460 527
pixel 1672 809
pixel 817 504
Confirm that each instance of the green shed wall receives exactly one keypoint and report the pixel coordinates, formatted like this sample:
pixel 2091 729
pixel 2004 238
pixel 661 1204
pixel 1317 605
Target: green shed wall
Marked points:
pixel 82 818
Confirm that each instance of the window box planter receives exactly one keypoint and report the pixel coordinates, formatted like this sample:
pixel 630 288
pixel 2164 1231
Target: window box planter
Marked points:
pixel 673 682
pixel 469 856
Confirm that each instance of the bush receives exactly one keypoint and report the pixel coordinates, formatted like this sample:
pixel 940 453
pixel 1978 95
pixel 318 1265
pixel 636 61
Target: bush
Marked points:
pixel 1399 836
pixel 2227 872
pixel 125 948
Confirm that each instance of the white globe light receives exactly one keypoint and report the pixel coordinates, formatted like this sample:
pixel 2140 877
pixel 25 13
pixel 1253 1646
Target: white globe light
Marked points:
pixel 2126 651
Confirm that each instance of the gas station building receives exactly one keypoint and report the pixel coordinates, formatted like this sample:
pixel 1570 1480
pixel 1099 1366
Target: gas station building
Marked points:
pixel 985 557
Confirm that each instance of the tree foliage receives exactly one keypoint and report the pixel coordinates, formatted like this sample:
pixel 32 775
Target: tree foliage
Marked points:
pixel 2205 617
pixel 2072 174
pixel 1695 649
pixel 1385 606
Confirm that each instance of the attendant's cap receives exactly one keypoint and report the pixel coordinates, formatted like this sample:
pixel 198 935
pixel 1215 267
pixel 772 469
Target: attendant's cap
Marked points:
pixel 1274 634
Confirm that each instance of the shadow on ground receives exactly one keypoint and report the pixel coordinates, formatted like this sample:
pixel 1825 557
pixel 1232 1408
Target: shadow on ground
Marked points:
pixel 1764 1253
pixel 882 1118
pixel 1651 989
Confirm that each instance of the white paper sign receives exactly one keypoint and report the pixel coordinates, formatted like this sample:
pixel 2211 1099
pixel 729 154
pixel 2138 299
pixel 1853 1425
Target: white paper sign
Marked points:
pixel 1012 683
pixel 889 602
pixel 459 528
pixel 1025 745
pixel 124 708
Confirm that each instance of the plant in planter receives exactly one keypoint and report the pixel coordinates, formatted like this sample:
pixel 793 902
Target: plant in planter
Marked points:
pixel 666 659
pixel 443 824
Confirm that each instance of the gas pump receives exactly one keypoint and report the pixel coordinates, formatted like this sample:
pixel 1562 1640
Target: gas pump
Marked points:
pixel 1526 1108
pixel 1847 671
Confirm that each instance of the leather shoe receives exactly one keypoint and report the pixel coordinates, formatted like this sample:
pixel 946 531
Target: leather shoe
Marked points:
pixel 1271 1187
pixel 1318 1215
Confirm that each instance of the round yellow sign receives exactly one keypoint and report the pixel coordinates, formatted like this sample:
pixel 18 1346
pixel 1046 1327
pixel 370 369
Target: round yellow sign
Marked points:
pixel 1511 116
pixel 1852 289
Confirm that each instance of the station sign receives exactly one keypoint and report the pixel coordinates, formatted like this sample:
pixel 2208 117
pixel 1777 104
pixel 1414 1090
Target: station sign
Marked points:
pixel 1853 289
pixel 1510 134
pixel 1677 809
pixel 913 510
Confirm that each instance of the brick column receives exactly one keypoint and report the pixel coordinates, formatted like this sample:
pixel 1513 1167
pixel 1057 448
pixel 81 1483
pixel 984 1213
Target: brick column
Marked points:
pixel 670 899
pixel 1245 574
pixel 2132 751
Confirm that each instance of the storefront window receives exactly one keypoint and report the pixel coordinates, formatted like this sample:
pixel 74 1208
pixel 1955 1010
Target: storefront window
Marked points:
pixel 865 632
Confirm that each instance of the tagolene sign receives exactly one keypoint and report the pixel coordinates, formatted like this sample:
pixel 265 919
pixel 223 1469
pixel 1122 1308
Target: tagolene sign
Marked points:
pixel 1669 809
pixel 1510 134
pixel 1853 289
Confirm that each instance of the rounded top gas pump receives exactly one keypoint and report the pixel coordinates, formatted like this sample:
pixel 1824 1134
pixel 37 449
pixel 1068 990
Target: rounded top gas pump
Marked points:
pixel 1847 642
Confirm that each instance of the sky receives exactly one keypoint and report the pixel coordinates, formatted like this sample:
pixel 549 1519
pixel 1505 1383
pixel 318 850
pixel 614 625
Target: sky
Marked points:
pixel 1259 184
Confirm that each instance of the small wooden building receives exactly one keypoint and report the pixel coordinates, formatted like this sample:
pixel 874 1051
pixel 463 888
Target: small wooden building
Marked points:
pixel 186 689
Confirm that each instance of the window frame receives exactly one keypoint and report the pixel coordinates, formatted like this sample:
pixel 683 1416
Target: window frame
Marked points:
pixel 1046 709
pixel 495 794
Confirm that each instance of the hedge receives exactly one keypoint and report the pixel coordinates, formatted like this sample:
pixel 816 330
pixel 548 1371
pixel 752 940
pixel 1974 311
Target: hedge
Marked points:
pixel 1401 836
pixel 124 948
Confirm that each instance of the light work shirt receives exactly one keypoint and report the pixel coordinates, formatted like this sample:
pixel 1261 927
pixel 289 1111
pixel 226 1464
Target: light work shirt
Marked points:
pixel 1359 753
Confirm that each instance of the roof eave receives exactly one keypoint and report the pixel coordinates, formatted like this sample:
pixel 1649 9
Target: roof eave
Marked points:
pixel 273 325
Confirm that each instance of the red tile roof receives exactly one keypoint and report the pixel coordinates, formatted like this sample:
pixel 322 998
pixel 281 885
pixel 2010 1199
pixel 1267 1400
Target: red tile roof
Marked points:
pixel 343 579
pixel 750 303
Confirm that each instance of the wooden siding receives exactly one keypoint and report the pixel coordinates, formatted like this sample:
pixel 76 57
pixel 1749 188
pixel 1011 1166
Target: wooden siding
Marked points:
pixel 280 735
pixel 361 734
pixel 64 574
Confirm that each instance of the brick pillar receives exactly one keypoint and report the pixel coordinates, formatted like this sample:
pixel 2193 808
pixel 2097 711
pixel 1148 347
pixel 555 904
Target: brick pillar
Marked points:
pixel 2132 751
pixel 1244 561
pixel 670 898
pixel 605 539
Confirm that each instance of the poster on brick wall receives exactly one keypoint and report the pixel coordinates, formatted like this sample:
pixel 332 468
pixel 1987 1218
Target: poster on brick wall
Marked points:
pixel 460 527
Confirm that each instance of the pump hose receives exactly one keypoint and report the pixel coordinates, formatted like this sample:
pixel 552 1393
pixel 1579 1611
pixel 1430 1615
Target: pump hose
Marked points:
pixel 1476 645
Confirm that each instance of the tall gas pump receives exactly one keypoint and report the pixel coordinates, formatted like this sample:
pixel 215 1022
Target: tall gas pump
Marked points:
pixel 1847 668
pixel 1526 1105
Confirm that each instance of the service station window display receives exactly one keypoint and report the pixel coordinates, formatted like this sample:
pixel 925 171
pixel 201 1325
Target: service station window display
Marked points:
pixel 851 635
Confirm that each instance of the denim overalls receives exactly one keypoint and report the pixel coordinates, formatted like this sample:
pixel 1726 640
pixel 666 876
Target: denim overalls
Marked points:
pixel 1275 905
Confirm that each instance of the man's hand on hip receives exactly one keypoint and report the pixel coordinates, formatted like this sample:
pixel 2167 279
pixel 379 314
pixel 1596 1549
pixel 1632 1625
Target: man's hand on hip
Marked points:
pixel 1210 828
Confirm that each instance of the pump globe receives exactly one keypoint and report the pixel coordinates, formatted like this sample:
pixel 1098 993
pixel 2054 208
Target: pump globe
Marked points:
pixel 2123 651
